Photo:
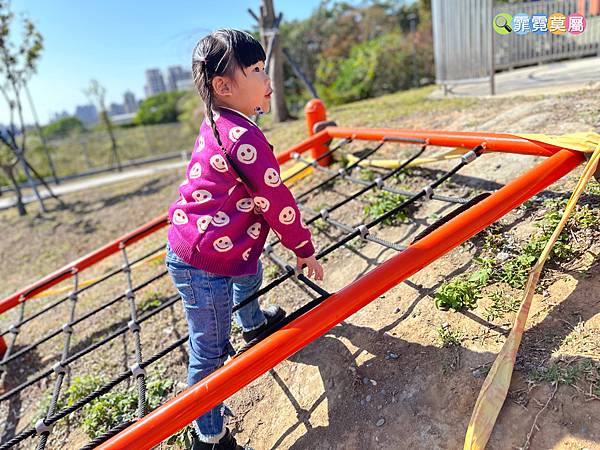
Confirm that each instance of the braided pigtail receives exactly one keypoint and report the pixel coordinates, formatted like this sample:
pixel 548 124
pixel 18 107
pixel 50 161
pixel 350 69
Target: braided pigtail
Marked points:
pixel 213 125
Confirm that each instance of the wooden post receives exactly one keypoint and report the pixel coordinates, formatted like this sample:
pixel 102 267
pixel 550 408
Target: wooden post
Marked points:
pixel 268 29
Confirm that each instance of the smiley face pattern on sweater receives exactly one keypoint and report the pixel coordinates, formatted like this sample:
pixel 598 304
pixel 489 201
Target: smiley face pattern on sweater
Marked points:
pixel 219 220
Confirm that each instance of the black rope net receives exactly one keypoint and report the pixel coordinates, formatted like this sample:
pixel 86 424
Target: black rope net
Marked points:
pixel 118 327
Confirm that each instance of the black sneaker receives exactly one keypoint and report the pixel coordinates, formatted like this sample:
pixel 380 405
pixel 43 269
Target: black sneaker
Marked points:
pixel 273 314
pixel 227 442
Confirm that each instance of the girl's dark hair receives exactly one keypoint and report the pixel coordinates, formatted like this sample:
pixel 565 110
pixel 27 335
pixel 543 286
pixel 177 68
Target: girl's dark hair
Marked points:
pixel 219 54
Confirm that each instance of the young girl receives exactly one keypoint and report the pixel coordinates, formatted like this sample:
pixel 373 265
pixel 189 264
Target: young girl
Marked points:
pixel 232 196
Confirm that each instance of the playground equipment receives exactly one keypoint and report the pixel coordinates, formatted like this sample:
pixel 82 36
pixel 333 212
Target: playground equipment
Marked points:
pixel 315 317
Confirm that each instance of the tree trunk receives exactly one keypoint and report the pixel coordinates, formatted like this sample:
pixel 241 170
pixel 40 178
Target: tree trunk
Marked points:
pixel 20 205
pixel 21 156
pixel 113 141
pixel 267 18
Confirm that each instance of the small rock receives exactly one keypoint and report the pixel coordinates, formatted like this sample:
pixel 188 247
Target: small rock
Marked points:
pixel 380 422
pixel 392 356
pixel 373 382
pixel 502 256
pixel 397 310
pixel 365 380
pixel 368 398
pixel 379 406
pixel 362 402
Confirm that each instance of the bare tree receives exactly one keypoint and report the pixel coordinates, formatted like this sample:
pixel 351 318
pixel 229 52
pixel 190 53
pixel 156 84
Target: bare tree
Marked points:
pixel 97 93
pixel 17 63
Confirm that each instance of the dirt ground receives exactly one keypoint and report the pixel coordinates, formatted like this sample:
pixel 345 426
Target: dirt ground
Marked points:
pixel 382 378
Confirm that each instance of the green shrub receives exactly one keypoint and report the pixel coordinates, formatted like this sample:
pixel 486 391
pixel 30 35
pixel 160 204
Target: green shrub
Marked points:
pixel 160 108
pixel 63 127
pixel 457 295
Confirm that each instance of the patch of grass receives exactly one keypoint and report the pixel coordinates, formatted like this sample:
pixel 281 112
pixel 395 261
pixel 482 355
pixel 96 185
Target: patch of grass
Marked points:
pixel 110 409
pixel 449 337
pixel 457 295
pixel 516 270
pixel 569 373
pixel 501 305
pixel 321 224
pixel 593 187
pixel 107 411
pixel 366 174
pixel 483 274
pixel 183 438
pixel 271 271
pixel 382 202
pixel 151 300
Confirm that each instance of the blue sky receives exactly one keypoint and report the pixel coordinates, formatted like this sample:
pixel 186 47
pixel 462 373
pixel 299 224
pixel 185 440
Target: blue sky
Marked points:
pixel 116 41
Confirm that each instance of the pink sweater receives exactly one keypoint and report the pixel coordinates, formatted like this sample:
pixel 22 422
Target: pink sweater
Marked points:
pixel 219 224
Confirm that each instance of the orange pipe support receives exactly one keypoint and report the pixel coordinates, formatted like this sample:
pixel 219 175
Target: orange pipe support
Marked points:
pixel 242 370
pixel 315 112
pixel 82 263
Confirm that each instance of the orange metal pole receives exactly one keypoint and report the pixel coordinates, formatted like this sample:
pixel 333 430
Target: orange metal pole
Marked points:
pixel 490 141
pixel 315 112
pixel 80 264
pixel 240 371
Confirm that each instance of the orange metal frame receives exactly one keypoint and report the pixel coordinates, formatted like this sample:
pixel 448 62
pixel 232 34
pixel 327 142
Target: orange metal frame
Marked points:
pixel 490 141
pixel 240 371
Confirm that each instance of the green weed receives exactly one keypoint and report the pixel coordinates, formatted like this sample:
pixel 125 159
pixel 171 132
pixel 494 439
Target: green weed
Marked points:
pixel 457 295
pixel 112 408
pixel 382 202
pixel 270 272
pixel 501 305
pixel 150 301
pixel 449 337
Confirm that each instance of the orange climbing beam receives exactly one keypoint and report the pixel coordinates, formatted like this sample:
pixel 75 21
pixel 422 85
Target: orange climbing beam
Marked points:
pixel 242 370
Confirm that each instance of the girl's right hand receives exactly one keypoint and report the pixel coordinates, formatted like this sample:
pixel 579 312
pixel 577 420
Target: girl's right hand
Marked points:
pixel 314 268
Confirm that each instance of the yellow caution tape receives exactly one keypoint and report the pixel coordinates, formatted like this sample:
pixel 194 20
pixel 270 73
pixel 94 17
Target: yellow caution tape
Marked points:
pixel 495 387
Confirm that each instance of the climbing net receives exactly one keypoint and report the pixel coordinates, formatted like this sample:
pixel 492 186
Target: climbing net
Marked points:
pixel 54 370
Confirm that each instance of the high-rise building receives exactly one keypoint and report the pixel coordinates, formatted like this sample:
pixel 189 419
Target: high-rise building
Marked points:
pixel 179 79
pixel 88 114
pixel 174 74
pixel 155 84
pixel 115 109
pixel 131 105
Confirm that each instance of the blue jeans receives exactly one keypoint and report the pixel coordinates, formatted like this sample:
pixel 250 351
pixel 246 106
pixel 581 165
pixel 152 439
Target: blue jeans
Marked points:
pixel 208 299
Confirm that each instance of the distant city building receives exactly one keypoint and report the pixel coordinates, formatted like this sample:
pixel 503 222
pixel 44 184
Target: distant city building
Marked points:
pixel 115 109
pixel 174 74
pixel 131 106
pixel 155 84
pixel 88 114
pixel 186 84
